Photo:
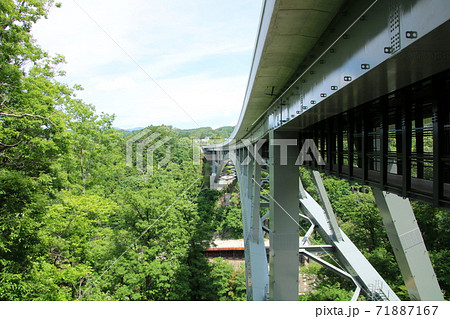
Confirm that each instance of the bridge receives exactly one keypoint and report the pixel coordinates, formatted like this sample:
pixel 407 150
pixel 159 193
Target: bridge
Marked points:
pixel 358 89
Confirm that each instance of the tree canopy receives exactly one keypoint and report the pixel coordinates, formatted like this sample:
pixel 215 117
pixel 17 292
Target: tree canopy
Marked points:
pixel 76 222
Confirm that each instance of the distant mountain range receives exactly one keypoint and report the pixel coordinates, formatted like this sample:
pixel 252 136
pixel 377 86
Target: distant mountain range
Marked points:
pixel 129 129
pixel 201 132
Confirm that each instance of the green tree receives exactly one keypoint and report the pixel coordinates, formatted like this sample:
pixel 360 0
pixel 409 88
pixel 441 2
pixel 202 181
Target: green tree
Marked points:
pixel 30 140
pixel 230 283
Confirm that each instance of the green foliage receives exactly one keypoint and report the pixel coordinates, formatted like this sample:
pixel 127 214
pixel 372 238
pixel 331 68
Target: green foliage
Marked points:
pixel 222 220
pixel 362 220
pixel 110 234
pixel 328 291
pixel 203 132
pixel 434 224
pixel 22 199
pixel 230 283
pixel 230 224
pixel 328 286
pixel 29 94
pixel 75 221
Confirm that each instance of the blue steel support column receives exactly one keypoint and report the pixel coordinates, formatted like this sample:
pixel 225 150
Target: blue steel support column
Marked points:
pixel 284 216
pixel 212 179
pixel 257 274
pixel 409 248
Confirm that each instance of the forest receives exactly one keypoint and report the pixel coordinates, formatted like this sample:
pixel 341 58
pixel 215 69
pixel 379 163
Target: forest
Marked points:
pixel 78 223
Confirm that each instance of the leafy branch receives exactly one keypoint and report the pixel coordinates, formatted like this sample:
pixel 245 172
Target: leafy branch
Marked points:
pixel 27 115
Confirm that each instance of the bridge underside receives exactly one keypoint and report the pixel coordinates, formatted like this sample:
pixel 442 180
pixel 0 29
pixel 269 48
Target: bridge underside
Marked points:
pixel 399 142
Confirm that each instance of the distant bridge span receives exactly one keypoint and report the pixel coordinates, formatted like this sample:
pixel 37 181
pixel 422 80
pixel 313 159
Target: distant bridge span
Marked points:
pixel 369 83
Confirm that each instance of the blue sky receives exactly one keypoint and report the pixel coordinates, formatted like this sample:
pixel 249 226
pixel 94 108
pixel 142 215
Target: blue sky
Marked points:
pixel 199 52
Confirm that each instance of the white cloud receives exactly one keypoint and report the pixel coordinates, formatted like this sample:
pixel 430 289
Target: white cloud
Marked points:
pixel 198 51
